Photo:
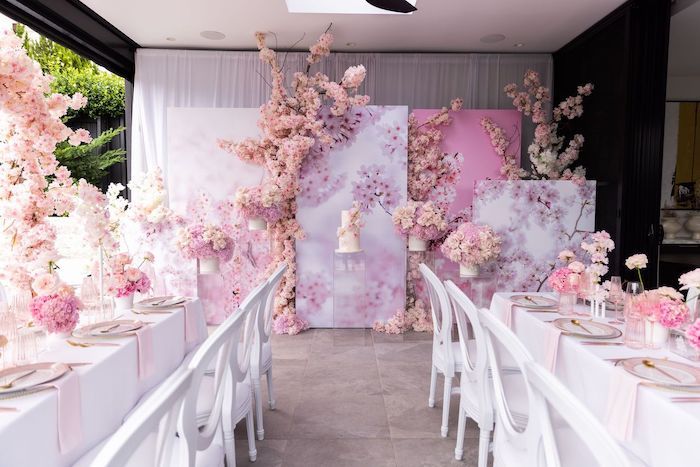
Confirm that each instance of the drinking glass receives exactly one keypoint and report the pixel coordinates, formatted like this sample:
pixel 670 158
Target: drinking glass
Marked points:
pixel 616 296
pixel 19 304
pixel 8 325
pixel 26 347
pixel 585 287
pixel 634 319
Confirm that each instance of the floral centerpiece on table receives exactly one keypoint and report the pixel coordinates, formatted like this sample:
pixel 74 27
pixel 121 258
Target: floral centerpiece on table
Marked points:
pixel 208 244
pixel 55 307
pixel 637 262
pixel 471 245
pixel 260 205
pixel 125 279
pixel 662 309
pixel 567 279
pixel 422 222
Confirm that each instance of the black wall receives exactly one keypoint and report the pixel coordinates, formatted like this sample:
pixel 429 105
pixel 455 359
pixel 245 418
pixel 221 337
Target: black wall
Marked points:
pixel 625 57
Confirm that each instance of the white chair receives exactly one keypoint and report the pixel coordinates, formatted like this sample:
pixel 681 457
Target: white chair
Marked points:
pixel 475 392
pixel 582 429
pixel 217 403
pixel 158 414
pixel 446 354
pixel 261 359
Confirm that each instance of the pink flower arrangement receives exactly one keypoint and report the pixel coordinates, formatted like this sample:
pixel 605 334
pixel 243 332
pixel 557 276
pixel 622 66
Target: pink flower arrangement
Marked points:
pixel 692 333
pixel 200 241
pixel 564 280
pixel 289 323
pixel 148 208
pixel 472 244
pixel 663 305
pixel 598 247
pixel 422 220
pixel 123 279
pixel 261 201
pixel 510 168
pixel 290 126
pixel 549 158
pixel 690 280
pixel 56 308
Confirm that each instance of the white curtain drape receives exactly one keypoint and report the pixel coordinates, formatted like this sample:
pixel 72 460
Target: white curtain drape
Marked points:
pixel 194 78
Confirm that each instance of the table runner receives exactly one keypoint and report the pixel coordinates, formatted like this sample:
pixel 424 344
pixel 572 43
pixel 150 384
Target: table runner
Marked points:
pixel 110 387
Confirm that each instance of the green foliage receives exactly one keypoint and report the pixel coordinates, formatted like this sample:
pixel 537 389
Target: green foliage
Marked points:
pixel 73 73
pixel 86 161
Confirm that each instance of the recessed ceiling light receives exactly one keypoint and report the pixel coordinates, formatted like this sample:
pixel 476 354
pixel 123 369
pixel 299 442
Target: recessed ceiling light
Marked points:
pixel 352 7
pixel 171 39
pixel 351 44
pixel 492 38
pixel 518 44
pixel 213 35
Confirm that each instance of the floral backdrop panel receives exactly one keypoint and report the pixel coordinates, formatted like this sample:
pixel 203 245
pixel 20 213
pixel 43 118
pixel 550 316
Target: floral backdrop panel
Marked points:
pixel 536 219
pixel 365 164
pixel 202 180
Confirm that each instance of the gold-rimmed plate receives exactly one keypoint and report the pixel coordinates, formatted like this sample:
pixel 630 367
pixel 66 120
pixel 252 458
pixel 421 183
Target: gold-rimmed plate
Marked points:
pixel 663 372
pixel 534 301
pixel 160 302
pixel 27 377
pixel 586 328
pixel 114 328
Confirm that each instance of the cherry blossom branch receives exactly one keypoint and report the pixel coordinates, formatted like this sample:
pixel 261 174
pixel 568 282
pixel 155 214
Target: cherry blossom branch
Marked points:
pixel 578 219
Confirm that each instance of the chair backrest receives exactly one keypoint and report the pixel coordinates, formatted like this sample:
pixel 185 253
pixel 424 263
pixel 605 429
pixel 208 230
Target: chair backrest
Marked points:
pixel 549 392
pixel 158 413
pixel 476 368
pixel 267 307
pixel 222 345
pixel 442 318
pixel 502 344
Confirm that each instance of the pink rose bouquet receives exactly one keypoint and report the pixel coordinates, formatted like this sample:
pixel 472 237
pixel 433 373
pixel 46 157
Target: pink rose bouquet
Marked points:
pixel 199 241
pixel 123 279
pixel 664 305
pixel 56 309
pixel 472 244
pixel 425 221
pixel 261 201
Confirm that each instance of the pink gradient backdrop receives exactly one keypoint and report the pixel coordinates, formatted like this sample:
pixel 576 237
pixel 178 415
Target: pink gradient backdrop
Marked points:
pixel 331 179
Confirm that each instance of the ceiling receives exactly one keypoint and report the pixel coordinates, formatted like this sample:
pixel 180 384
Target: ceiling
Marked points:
pixel 437 26
pixel 684 42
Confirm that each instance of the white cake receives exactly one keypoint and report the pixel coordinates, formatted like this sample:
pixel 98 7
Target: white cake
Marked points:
pixel 348 238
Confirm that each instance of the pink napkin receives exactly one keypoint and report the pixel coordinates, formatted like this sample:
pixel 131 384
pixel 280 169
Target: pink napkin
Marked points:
pixel 504 307
pixel 622 403
pixel 551 347
pixel 144 346
pixel 70 432
pixel 192 329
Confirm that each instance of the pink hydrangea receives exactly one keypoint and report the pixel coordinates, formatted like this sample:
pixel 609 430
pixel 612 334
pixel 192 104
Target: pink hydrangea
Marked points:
pixel 693 334
pixel 422 220
pixel 56 312
pixel 663 305
pixel 563 280
pixel 472 244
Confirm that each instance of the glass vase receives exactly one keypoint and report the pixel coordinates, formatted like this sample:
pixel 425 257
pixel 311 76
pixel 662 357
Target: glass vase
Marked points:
pixel 567 303
pixel 655 335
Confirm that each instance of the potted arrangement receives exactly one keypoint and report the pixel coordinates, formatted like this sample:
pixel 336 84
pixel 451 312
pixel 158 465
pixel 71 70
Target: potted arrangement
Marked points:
pixel 124 280
pixel 422 222
pixel 471 245
pixel 565 281
pixel 662 309
pixel 260 204
pixel 55 307
pixel 208 244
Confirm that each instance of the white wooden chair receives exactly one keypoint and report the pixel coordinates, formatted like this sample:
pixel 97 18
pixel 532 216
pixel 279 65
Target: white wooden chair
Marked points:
pixel 222 400
pixel 582 428
pixel 446 354
pixel 158 414
pixel 261 359
pixel 475 392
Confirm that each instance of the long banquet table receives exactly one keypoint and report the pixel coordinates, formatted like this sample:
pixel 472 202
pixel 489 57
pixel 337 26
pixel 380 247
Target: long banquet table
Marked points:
pixel 664 432
pixel 109 387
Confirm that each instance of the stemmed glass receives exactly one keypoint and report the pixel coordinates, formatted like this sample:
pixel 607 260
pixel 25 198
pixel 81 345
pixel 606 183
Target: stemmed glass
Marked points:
pixel 617 297
pixel 634 321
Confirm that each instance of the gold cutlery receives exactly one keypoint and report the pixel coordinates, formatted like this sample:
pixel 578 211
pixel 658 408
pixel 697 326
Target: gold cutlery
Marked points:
pixel 114 326
pixel 601 343
pixel 26 392
pixel 91 344
pixel 576 322
pixel 151 312
pixel 14 380
pixel 529 299
pixel 649 364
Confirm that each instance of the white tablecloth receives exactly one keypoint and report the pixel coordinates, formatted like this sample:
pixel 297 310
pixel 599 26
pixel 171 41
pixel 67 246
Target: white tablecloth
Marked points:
pixel 664 433
pixel 109 388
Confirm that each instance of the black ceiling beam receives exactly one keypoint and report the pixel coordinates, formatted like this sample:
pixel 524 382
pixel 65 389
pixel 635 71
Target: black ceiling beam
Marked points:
pixel 74 25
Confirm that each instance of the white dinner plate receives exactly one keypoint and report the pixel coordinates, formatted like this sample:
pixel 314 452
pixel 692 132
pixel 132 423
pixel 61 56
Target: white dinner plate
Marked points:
pixel 663 372
pixel 37 374
pixel 115 328
pixel 586 328
pixel 534 301
pixel 160 302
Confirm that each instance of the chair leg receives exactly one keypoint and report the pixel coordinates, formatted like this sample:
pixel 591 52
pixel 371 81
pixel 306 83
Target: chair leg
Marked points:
pixel 461 428
pixel 229 442
pixel 252 452
pixel 484 440
pixel 446 406
pixel 433 384
pixel 270 391
pixel 258 408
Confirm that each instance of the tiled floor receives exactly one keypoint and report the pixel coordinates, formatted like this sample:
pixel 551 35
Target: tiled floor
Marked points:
pixel 355 398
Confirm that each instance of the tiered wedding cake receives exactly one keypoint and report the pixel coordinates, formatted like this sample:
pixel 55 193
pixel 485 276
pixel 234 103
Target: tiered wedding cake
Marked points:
pixel 348 235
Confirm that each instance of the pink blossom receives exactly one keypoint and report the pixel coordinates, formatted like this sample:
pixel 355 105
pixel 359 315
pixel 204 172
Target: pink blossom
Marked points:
pixel 563 280
pixel 422 220
pixel 79 136
pixel 693 334
pixel 200 241
pixel 55 312
pixel 690 279
pixel 472 244
pixel 45 284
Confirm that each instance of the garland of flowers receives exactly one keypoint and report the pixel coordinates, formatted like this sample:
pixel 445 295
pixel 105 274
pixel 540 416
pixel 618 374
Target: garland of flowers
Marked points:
pixel 290 125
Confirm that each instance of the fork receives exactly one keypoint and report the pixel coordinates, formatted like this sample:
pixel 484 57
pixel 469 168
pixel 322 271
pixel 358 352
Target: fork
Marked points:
pixel 14 380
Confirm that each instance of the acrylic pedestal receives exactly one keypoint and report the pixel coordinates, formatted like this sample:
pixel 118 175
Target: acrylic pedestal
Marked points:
pixel 349 290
